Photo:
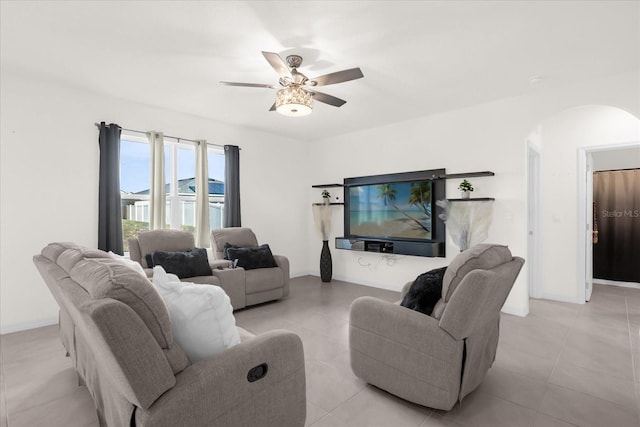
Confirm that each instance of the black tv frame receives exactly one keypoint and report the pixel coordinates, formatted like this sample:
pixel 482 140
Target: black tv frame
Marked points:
pixel 434 247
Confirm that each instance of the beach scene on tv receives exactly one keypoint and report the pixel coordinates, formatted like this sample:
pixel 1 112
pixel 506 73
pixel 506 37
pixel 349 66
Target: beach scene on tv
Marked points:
pixel 399 210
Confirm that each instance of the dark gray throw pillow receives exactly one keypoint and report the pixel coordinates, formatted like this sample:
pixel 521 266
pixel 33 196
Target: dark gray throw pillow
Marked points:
pixel 252 258
pixel 190 263
pixel 425 291
pixel 225 253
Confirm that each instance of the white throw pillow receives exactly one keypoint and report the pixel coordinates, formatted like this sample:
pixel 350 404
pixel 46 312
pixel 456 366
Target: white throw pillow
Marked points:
pixel 129 263
pixel 201 315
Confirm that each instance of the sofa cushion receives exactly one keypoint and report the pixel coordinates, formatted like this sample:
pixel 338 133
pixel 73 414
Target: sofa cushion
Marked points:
pixel 425 291
pixel 110 278
pixel 253 258
pixel 74 253
pixel 201 315
pixel 189 263
pixel 484 256
pixel 239 236
pixel 129 263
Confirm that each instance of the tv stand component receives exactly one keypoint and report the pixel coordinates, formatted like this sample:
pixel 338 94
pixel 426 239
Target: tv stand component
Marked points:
pixel 397 247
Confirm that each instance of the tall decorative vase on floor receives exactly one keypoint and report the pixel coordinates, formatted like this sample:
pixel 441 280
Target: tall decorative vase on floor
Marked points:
pixel 322 218
pixel 326 265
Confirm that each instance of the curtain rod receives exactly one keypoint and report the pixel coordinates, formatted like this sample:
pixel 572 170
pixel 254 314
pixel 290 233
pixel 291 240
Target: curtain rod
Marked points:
pixel 167 136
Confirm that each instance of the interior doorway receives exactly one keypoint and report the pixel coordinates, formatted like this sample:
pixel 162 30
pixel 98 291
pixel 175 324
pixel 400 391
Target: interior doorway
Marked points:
pixel 624 155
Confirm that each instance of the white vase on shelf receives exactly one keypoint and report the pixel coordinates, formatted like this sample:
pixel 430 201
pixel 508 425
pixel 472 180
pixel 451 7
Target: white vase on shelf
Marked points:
pixel 466 194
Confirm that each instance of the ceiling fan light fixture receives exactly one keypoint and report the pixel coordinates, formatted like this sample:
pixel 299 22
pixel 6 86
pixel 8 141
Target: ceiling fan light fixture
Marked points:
pixel 293 101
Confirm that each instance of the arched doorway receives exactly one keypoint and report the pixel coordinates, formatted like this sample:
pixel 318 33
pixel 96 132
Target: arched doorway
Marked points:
pixel 561 269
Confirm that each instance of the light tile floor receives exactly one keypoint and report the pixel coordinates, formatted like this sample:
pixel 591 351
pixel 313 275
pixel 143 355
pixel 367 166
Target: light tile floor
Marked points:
pixel 563 365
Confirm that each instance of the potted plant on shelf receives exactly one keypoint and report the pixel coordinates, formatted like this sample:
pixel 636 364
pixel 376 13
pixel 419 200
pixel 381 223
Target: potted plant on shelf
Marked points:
pixel 326 197
pixel 466 188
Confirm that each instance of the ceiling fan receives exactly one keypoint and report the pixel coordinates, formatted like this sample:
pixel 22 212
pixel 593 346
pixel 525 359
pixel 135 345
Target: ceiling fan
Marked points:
pixel 296 96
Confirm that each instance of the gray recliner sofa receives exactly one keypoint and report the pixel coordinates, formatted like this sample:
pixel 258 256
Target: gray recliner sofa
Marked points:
pixel 436 360
pixel 244 287
pixel 117 331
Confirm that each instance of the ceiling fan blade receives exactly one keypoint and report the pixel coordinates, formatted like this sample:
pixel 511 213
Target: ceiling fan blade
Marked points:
pixel 273 107
pixel 337 77
pixel 328 99
pixel 248 84
pixel 278 64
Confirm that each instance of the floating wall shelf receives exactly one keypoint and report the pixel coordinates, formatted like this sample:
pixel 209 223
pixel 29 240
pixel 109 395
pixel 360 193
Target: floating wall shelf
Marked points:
pixel 433 177
pixel 464 175
pixel 326 185
pixel 332 203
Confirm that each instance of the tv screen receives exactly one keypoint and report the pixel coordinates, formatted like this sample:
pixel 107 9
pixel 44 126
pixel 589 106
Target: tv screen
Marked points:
pixel 396 210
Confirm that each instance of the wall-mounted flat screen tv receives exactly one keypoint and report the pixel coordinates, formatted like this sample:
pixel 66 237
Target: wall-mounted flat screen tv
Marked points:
pixel 392 210
pixel 397 206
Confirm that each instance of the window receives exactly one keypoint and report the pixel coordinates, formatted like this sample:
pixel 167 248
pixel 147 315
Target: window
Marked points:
pixel 135 181
pixel 180 172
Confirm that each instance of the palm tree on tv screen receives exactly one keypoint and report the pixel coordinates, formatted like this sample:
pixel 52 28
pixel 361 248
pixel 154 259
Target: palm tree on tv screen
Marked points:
pixel 420 196
pixel 417 196
pixel 387 193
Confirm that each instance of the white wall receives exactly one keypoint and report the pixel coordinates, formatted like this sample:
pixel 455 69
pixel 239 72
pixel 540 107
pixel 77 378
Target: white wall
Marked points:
pixel 561 136
pixel 485 137
pixel 49 161
pixel 49 189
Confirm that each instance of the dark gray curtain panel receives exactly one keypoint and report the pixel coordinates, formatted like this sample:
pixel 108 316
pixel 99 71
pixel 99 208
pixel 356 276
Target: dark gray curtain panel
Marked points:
pixel 109 204
pixel 616 195
pixel 231 186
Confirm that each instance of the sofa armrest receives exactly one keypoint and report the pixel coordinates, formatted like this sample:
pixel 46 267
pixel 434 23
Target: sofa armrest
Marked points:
pixel 233 281
pixel 283 263
pixel 219 264
pixel 216 390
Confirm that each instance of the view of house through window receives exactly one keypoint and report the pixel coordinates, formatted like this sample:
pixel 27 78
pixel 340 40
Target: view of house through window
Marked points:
pixel 180 172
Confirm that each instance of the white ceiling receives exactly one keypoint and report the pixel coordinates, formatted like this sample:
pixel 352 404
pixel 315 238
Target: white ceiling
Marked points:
pixel 418 58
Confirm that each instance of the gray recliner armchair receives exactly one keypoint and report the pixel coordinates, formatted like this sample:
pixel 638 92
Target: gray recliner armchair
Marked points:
pixel 436 360
pixel 260 285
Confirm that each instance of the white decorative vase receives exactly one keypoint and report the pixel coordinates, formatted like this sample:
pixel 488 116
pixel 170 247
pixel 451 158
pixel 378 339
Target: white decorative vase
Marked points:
pixel 466 194
pixel 326 200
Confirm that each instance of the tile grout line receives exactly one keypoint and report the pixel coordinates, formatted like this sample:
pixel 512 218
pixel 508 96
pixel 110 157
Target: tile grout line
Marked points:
pixel 555 365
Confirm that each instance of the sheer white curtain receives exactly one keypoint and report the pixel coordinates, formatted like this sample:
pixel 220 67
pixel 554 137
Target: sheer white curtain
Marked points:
pixel 157 193
pixel 202 195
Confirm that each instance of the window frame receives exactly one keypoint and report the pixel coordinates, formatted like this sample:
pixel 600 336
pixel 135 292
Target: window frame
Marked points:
pixel 174 213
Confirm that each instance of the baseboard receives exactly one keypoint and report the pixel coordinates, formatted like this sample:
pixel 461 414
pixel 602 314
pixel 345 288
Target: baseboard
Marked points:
pixel 560 298
pixel 515 311
pixel 634 285
pixel 17 327
pixel 349 280
pixel 303 273
pixel 367 283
